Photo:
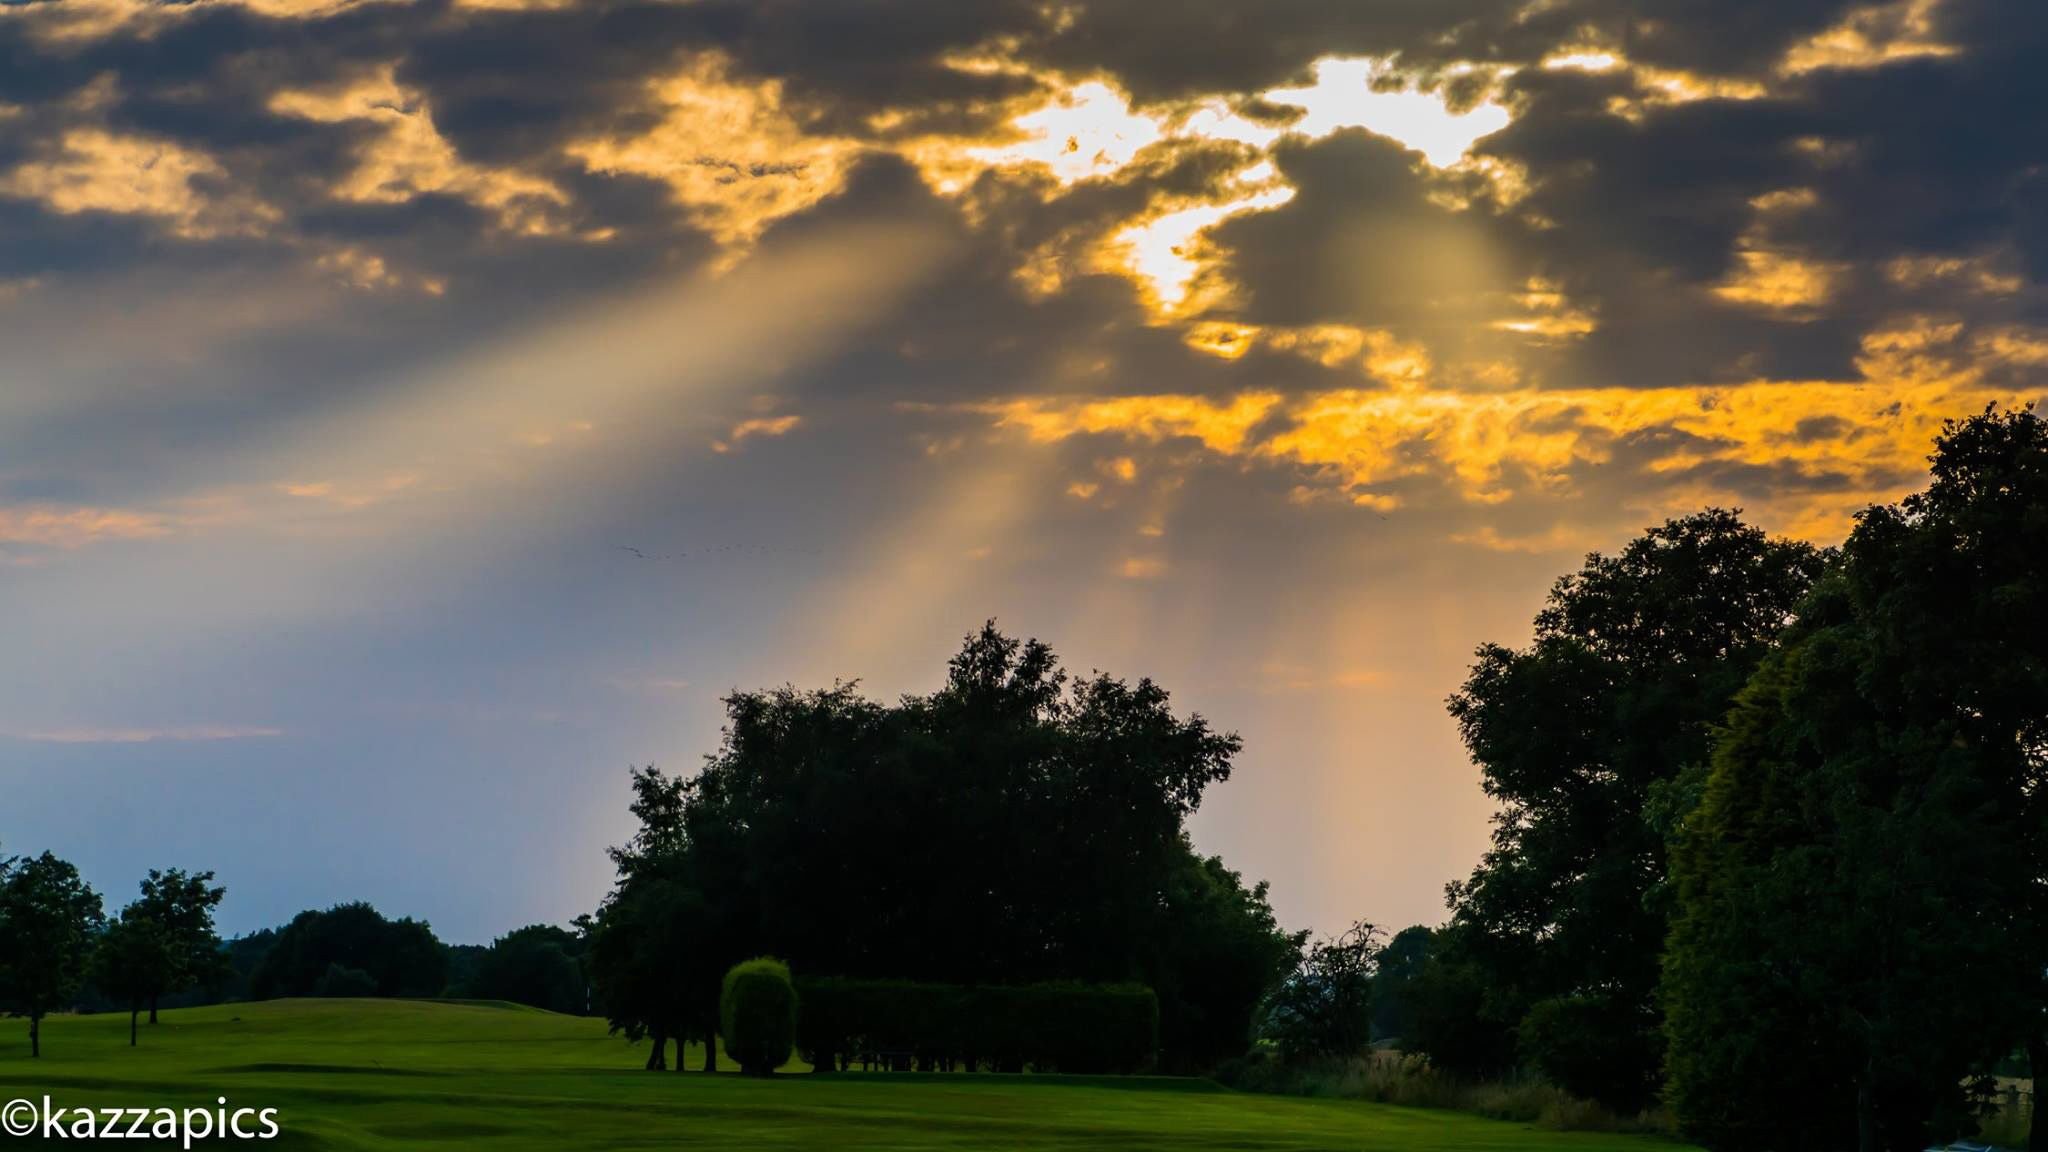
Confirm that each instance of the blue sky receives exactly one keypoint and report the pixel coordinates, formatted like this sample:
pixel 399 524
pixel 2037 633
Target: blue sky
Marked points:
pixel 1283 353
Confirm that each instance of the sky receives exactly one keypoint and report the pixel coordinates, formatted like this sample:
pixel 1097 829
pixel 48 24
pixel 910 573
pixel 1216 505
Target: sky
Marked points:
pixel 415 412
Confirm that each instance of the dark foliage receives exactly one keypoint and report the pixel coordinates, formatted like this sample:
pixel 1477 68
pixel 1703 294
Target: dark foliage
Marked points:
pixel 1590 738
pixel 1393 982
pixel 181 904
pixel 1060 1027
pixel 538 965
pixel 1859 891
pixel 132 963
pixel 1324 1008
pixel 401 957
pixel 48 918
pixel 1012 827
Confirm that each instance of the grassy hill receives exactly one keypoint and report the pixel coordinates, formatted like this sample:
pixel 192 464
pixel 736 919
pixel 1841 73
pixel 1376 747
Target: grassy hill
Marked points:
pixel 371 1074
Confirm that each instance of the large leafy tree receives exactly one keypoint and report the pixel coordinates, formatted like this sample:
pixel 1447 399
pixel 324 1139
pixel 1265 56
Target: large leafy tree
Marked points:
pixel 654 967
pixel 48 918
pixel 1214 952
pixel 1859 894
pixel 1394 979
pixel 132 962
pixel 182 905
pixel 1014 825
pixel 1587 737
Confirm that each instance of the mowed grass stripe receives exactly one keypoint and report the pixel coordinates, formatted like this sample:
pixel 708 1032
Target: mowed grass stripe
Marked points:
pixel 377 1074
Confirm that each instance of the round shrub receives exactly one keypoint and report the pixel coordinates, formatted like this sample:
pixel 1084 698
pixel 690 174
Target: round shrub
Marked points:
pixel 757 1014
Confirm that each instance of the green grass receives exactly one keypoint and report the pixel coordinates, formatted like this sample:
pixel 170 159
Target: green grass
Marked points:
pixel 366 1074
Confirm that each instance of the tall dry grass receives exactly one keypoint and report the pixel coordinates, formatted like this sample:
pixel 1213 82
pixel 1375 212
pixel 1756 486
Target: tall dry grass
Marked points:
pixel 1394 1078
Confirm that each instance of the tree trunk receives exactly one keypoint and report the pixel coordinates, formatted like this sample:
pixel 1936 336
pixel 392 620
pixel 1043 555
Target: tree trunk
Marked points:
pixel 657 1060
pixel 2037 1060
pixel 152 1007
pixel 711 1051
pixel 35 1034
pixel 132 1014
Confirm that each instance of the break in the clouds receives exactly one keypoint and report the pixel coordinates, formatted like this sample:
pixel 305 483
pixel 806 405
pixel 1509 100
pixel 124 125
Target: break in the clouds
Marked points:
pixel 409 376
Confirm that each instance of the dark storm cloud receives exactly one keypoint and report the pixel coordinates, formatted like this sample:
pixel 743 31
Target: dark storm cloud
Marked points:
pixel 1634 219
pixel 1222 45
pixel 1713 36
pixel 1361 243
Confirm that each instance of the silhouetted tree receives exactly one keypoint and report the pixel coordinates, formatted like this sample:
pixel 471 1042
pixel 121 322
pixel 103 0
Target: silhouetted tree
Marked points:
pixel 401 956
pixel 1590 739
pixel 1399 967
pixel 182 905
pixel 655 967
pixel 48 918
pixel 1324 1007
pixel 1012 826
pixel 1859 893
pixel 1212 955
pixel 133 962
pixel 536 965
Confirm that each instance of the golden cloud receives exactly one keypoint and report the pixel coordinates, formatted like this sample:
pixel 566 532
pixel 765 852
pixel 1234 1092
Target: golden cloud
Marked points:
pixel 1832 446
pixel 94 170
pixel 735 159
pixel 410 158
pixel 1771 278
pixel 1871 36
pixel 756 426
pixel 1221 428
pixel 1141 568
pixel 70 526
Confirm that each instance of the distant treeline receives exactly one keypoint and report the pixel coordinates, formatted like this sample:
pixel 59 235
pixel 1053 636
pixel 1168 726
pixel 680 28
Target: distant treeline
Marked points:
pixel 59 951
pixel 353 950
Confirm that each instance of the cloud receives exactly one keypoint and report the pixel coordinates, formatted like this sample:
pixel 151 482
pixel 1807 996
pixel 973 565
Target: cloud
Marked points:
pixel 94 170
pixel 753 426
pixel 1220 427
pixel 734 159
pixel 1141 568
pixel 58 526
pixel 405 157
pixel 180 734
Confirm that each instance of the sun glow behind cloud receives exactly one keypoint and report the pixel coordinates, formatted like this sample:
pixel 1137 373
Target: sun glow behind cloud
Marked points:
pixel 1352 94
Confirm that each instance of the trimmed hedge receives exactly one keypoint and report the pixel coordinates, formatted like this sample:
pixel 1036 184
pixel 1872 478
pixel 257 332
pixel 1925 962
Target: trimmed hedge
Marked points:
pixel 757 1012
pixel 1079 1028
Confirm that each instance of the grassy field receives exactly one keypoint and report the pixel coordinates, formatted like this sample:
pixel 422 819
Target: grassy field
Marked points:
pixel 369 1074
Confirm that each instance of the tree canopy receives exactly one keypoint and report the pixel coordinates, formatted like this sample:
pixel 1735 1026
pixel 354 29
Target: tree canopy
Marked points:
pixel 401 957
pixel 1859 892
pixel 181 904
pixel 1015 825
pixel 48 918
pixel 1588 738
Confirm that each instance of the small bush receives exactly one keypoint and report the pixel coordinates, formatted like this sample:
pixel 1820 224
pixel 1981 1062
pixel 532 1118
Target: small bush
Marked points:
pixel 757 1012
pixel 1595 1049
